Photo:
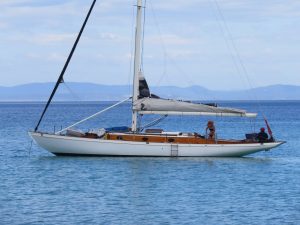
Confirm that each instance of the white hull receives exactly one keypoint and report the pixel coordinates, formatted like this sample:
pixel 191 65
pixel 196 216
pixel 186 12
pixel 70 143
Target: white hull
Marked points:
pixel 63 145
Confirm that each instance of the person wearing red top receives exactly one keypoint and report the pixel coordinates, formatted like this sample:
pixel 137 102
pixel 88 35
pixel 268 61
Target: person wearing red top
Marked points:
pixel 212 130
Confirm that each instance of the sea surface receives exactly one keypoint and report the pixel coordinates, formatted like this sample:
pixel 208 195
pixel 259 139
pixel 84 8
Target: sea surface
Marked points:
pixel 39 188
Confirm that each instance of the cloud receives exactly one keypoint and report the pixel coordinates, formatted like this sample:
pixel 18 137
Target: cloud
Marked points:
pixel 169 39
pixel 109 36
pixel 16 9
pixel 182 54
pixel 43 39
pixel 52 38
pixel 174 5
pixel 256 9
pixel 285 9
pixel 33 3
pixel 32 55
pixel 56 57
pixel 263 31
pixel 3 25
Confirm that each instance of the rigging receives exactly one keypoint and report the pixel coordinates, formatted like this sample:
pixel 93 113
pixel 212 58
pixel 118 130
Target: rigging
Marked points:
pixel 61 76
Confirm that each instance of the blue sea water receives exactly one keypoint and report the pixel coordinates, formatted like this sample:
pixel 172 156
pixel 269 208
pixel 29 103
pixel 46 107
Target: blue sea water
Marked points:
pixel 39 188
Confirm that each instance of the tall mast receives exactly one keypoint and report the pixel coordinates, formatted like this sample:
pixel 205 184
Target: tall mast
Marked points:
pixel 137 62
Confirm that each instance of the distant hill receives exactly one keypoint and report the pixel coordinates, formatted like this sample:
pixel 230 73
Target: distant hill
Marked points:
pixel 73 91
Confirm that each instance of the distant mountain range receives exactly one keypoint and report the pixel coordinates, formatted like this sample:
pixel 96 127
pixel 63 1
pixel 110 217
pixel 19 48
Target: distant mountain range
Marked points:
pixel 73 91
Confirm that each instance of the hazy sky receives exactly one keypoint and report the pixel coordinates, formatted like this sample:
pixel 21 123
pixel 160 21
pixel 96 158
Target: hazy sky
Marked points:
pixel 186 42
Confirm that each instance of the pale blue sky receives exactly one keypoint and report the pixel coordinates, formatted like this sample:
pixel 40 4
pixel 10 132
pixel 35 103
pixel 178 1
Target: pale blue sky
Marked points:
pixel 186 42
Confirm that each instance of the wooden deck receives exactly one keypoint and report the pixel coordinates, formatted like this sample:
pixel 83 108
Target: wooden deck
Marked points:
pixel 161 138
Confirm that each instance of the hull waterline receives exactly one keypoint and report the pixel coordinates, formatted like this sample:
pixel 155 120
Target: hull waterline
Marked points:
pixel 64 145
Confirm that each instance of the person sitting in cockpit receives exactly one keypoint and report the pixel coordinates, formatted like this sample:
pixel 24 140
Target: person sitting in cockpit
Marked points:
pixel 262 136
pixel 212 130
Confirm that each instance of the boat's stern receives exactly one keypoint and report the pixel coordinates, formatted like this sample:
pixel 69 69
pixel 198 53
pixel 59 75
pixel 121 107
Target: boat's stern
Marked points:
pixel 269 145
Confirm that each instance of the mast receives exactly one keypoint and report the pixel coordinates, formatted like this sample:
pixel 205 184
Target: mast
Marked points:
pixel 137 63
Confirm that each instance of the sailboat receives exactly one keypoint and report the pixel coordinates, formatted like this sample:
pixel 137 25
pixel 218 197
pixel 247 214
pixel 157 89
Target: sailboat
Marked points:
pixel 133 141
